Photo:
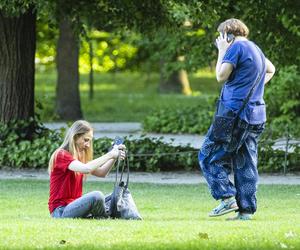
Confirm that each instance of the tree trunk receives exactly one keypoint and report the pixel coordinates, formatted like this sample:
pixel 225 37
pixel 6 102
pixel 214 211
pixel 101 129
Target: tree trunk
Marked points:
pixel 91 74
pixel 17 52
pixel 177 82
pixel 67 90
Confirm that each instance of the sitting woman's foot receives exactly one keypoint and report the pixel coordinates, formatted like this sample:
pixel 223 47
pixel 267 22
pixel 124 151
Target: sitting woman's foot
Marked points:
pixel 226 206
pixel 241 216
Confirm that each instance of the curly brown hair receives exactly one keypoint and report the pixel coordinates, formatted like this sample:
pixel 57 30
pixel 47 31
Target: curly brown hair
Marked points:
pixel 234 26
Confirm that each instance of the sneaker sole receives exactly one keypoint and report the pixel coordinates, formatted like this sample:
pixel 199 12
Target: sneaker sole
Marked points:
pixel 224 212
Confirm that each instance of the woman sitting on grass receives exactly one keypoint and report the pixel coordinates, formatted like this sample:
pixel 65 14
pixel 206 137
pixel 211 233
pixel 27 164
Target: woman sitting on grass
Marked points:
pixel 67 166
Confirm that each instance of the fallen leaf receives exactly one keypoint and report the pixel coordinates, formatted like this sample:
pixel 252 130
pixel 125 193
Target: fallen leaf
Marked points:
pixel 203 236
pixel 62 242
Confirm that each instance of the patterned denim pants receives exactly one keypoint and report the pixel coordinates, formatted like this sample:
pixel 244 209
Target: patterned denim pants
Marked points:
pixel 218 159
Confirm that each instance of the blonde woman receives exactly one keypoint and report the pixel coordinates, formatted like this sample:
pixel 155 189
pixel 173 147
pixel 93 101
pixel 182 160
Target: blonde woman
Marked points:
pixel 67 166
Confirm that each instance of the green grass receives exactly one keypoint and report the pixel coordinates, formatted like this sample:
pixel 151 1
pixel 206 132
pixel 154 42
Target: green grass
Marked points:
pixel 123 96
pixel 175 217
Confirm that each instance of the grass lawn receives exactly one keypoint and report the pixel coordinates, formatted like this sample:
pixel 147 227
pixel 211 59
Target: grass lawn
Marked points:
pixel 175 217
pixel 126 96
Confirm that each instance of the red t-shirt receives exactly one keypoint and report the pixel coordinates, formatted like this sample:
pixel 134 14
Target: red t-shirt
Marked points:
pixel 65 184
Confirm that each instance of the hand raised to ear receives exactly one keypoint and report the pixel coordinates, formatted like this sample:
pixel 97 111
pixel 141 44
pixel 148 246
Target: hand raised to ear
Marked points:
pixel 222 43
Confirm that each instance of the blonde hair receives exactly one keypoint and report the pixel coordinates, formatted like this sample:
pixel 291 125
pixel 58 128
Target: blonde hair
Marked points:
pixel 77 129
pixel 235 27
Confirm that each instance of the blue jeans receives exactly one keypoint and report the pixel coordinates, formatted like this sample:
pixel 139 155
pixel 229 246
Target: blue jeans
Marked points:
pixel 218 159
pixel 90 205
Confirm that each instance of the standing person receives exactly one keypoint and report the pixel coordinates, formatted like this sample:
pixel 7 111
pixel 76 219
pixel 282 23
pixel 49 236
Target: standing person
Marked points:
pixel 67 166
pixel 241 65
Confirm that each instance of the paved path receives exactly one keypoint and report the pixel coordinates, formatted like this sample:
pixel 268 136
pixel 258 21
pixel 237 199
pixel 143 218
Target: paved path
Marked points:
pixel 135 130
pixel 178 177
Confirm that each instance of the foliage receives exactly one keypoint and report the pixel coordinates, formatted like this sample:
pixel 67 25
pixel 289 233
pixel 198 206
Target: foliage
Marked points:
pixel 144 154
pixel 46 36
pixel 194 119
pixel 283 100
pixel 153 155
pixel 275 157
pixel 112 51
pixel 275 26
pixel 19 152
pixel 164 25
pixel 175 217
pixel 276 32
pixel 283 109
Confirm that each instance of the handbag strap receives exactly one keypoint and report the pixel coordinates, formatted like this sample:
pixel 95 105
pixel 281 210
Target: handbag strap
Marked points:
pixel 245 102
pixel 122 171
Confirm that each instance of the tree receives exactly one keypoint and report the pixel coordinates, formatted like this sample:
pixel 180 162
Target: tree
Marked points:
pixel 17 50
pixel 185 48
pixel 18 26
pixel 71 16
pixel 277 32
pixel 67 90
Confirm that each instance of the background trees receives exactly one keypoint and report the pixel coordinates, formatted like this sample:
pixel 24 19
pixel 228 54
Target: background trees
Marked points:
pixel 157 32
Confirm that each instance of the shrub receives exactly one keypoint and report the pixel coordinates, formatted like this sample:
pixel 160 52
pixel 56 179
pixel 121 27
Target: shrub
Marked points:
pixel 275 160
pixel 152 154
pixel 178 119
pixel 283 101
pixel 21 149
pixel 144 154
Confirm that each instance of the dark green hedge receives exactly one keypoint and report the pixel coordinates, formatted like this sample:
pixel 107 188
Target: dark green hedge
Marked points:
pixel 178 119
pixel 17 151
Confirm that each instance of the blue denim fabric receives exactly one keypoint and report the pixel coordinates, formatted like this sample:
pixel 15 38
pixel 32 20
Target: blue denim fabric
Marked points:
pixel 218 159
pixel 90 205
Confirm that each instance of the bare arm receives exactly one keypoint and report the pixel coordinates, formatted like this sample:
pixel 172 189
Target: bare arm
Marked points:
pixel 104 169
pixel 270 70
pixel 223 70
pixel 105 161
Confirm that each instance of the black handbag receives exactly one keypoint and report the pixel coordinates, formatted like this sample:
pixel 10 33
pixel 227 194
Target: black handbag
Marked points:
pixel 120 203
pixel 225 119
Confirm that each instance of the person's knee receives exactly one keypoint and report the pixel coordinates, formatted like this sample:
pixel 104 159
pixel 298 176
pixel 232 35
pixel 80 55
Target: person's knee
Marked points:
pixel 98 196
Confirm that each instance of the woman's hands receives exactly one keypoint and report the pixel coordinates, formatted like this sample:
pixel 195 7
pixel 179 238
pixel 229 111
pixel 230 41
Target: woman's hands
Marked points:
pixel 222 43
pixel 118 151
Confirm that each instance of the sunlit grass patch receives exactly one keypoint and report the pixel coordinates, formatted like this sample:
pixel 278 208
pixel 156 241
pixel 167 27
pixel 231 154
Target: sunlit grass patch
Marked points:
pixel 175 217
pixel 125 96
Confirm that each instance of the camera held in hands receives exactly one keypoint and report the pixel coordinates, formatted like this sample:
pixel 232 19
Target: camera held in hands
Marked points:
pixel 117 141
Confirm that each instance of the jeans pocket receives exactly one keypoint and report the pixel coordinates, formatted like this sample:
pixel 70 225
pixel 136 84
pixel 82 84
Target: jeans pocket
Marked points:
pixel 257 113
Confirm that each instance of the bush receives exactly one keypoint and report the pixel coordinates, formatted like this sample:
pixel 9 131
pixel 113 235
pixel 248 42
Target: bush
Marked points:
pixel 178 119
pixel 283 108
pixel 275 160
pixel 23 149
pixel 283 101
pixel 144 154
pixel 19 152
